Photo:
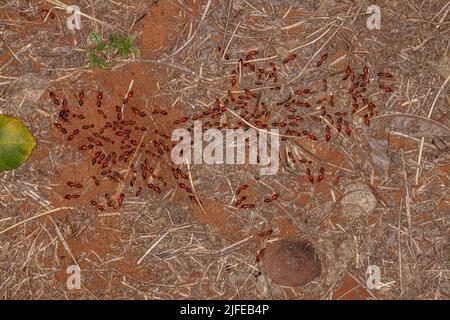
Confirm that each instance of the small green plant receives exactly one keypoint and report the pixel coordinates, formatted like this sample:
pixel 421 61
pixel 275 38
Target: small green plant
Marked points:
pixel 103 51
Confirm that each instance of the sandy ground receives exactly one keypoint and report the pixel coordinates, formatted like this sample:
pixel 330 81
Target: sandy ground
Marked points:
pixel 364 160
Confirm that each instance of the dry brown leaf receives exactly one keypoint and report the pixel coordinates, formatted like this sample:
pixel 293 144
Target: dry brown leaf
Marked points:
pixel 414 125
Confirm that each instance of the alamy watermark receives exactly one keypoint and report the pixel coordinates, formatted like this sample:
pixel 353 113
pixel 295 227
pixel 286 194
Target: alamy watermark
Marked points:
pixel 374 21
pixel 74 20
pixel 229 149
pixel 74 278
pixel 374 279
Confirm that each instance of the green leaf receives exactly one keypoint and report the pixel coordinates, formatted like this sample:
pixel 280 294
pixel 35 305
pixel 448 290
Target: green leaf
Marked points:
pixel 101 63
pixel 95 61
pixel 16 143
pixel 115 41
pixel 128 42
pixel 96 39
pixel 100 47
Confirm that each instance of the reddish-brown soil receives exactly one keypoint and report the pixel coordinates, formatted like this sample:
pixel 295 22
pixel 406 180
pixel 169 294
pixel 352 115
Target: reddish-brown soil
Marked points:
pixel 148 237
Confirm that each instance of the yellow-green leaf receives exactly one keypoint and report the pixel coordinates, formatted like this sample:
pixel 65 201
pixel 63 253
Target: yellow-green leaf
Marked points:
pixel 16 143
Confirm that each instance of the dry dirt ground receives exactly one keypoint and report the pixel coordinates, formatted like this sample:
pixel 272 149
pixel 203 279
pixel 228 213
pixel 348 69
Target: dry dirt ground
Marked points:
pixel 364 121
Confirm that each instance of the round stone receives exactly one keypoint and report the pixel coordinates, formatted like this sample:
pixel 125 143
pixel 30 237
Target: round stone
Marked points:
pixel 291 262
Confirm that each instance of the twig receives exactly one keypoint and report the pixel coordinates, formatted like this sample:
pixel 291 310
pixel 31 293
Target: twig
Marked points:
pixel 34 217
pixel 193 35
pixel 419 160
pixel 193 189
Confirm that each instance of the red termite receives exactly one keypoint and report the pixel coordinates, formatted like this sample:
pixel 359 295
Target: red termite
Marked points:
pixel 348 72
pixel 328 133
pixel 121 198
pixel 265 233
pixel 241 188
pixel 322 59
pixel 251 54
pixel 260 255
pixel 348 131
pixel 384 74
pixel 289 58
pixel 324 85
pixel 366 119
pixel 310 177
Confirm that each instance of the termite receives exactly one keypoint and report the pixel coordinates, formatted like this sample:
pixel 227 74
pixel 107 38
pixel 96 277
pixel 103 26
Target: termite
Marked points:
pixel 348 72
pixel 328 133
pixel 324 85
pixel 348 131
pixel 241 188
pixel 260 255
pixel 310 177
pixel 366 119
pixel 265 233
pixel 251 54
pixel 384 74
pixel 121 198
pixel 289 58
pixel 322 59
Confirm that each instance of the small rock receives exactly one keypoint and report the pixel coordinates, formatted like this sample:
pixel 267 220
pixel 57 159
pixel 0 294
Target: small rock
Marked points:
pixel 28 88
pixel 291 262
pixel 358 202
